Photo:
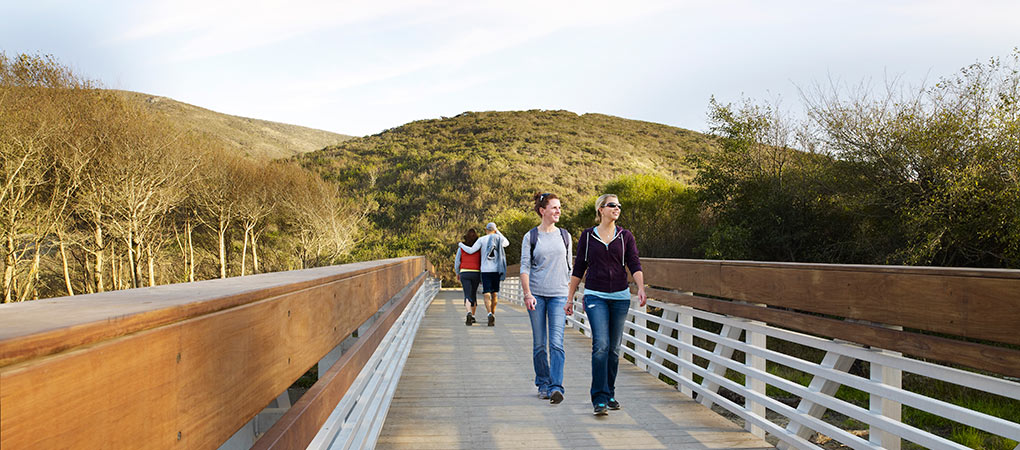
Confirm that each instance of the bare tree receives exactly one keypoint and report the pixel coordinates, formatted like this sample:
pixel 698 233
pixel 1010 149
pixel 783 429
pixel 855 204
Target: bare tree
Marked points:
pixel 218 197
pixel 35 187
pixel 255 202
pixel 326 220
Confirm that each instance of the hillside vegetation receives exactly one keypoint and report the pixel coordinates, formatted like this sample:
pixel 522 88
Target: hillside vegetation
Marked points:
pixel 428 181
pixel 99 192
pixel 250 137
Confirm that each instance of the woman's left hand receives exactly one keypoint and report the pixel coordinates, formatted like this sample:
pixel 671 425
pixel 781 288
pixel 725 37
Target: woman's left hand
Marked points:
pixel 642 298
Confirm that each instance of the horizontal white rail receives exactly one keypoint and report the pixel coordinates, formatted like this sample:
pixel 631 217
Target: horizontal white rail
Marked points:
pixel 649 340
pixel 510 290
pixel 358 418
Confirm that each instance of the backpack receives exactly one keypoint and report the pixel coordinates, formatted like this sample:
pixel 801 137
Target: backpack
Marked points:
pixel 533 238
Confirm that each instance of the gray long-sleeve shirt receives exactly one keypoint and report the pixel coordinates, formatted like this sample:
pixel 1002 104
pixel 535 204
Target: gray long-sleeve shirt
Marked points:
pixel 549 275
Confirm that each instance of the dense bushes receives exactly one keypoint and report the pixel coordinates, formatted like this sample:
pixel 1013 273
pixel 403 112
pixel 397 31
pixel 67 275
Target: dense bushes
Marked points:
pixel 923 177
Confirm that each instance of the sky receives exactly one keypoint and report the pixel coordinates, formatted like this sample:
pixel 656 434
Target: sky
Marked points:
pixel 360 67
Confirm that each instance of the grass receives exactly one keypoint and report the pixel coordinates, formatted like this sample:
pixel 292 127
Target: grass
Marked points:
pixel 252 137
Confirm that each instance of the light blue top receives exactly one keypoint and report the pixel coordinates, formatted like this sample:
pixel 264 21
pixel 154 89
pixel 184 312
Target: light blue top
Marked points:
pixel 619 295
pixel 549 273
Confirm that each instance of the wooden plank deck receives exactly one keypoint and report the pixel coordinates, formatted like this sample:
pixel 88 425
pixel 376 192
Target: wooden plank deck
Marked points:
pixel 473 387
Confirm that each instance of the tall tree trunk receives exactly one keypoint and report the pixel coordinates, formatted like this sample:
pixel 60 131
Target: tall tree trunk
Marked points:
pixel 88 275
pixel 37 279
pixel 9 269
pixel 131 258
pixel 99 256
pixel 254 252
pixel 63 260
pixel 223 249
pixel 113 268
pixel 191 255
pixel 33 277
pixel 244 251
pixel 152 271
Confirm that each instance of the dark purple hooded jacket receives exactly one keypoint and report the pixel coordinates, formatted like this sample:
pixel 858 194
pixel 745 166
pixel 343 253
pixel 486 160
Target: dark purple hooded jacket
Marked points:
pixel 605 267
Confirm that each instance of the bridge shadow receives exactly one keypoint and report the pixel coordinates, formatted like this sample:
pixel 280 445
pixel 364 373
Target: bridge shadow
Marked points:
pixel 472 387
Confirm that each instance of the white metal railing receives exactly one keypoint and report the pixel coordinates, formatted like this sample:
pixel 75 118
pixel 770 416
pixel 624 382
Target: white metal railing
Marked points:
pixel 649 340
pixel 358 418
pixel 510 290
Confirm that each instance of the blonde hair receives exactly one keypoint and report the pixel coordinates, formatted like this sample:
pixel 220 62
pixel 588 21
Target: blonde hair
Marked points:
pixel 602 202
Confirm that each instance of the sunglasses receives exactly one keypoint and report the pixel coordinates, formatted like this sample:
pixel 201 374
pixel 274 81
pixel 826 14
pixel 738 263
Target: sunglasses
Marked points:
pixel 612 205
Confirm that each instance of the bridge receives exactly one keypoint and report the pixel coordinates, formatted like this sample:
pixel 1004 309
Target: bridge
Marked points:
pixel 211 364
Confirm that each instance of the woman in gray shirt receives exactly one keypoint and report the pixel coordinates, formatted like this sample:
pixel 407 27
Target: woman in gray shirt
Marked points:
pixel 545 277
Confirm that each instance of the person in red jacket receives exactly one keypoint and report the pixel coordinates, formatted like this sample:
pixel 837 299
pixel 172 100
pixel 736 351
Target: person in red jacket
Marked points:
pixel 468 268
pixel 605 251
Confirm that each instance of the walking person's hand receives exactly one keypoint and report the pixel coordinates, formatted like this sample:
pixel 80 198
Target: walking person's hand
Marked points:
pixel 642 298
pixel 530 302
pixel 569 307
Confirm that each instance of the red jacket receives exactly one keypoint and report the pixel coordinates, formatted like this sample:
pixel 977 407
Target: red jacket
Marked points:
pixel 471 261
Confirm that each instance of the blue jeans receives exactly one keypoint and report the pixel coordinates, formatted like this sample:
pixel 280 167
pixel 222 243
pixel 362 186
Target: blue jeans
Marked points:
pixel 606 318
pixel 547 322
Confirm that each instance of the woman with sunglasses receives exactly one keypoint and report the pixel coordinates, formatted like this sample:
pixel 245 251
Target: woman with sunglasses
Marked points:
pixel 604 251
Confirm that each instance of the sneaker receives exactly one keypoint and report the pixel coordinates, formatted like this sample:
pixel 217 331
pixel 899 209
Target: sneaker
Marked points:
pixel 556 397
pixel 469 319
pixel 543 395
pixel 492 320
pixel 613 404
pixel 601 410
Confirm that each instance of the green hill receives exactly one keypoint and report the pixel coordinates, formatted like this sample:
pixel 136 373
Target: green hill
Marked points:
pixel 426 182
pixel 255 138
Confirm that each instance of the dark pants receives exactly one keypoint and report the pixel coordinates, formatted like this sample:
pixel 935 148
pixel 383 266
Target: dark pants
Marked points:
pixel 606 318
pixel 470 282
pixel 490 282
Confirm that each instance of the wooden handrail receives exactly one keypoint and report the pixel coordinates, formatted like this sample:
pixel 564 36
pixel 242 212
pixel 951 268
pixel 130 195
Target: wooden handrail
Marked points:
pixel 180 366
pixel 301 422
pixel 972 303
pixel 965 303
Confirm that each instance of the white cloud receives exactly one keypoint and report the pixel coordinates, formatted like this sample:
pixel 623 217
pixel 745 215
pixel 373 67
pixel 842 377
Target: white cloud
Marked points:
pixel 205 29
pixel 479 29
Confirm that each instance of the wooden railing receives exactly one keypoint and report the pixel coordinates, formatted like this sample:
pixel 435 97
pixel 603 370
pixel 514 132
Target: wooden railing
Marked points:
pixel 957 326
pixel 185 366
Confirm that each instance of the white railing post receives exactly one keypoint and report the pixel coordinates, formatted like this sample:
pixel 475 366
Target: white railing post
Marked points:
pixel 891 377
pixel 755 362
pixel 686 319
pixel 882 406
pixel 639 335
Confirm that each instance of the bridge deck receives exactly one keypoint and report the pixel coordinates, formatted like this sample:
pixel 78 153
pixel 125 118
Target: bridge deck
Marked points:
pixel 472 387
